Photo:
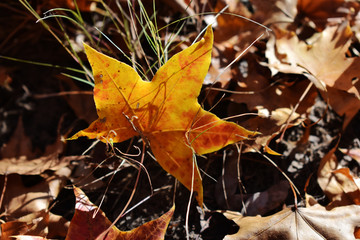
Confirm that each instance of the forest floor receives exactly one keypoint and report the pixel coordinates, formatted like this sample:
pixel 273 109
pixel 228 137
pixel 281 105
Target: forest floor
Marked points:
pixel 40 107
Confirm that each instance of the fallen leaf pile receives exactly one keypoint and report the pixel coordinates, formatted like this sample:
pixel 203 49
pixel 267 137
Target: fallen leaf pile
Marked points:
pixel 253 106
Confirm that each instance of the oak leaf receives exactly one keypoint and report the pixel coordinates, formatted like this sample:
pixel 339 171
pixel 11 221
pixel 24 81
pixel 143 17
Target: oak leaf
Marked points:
pixel 164 111
pixel 313 222
pixel 89 222
pixel 323 60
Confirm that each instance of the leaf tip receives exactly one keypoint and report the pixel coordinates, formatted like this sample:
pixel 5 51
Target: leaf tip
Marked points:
pixel 209 36
pixel 270 151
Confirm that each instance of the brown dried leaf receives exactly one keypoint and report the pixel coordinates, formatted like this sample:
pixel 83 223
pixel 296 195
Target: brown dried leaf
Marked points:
pixel 24 166
pixel 20 145
pixel 343 103
pixel 82 103
pixel 35 226
pixel 233 34
pixel 324 61
pixel 321 12
pixel 274 11
pixel 254 203
pixel 337 183
pixel 314 222
pixel 274 102
pixel 18 155
pixel 31 224
pixel 353 152
pixel 229 27
pixel 20 200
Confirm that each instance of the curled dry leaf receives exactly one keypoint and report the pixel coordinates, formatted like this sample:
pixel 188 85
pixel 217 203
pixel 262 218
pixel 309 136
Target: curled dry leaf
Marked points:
pixel 165 111
pixel 314 222
pixel 31 224
pixel 89 222
pixel 36 225
pixel 337 183
pixel 353 152
pixel 19 200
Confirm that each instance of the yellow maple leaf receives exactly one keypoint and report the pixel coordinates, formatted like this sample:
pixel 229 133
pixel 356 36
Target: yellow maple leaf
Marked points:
pixel 165 111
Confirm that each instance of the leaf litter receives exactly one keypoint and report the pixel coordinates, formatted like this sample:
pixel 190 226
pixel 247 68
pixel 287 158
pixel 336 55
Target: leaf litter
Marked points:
pixel 270 85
